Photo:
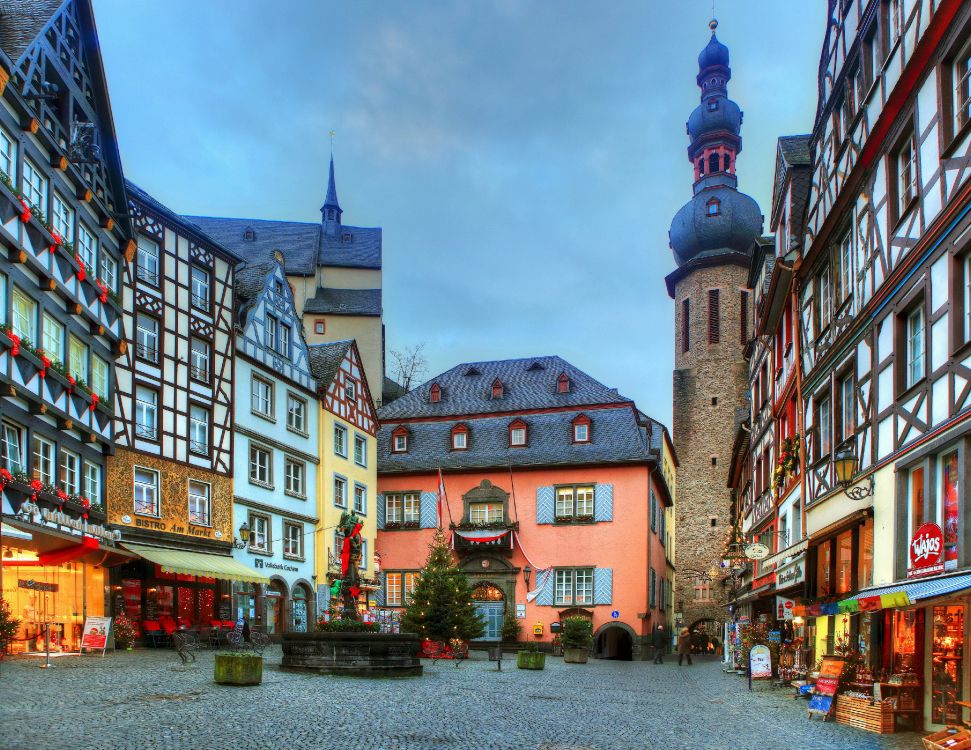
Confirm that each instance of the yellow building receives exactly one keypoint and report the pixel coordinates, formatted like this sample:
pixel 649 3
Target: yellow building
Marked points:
pixel 348 473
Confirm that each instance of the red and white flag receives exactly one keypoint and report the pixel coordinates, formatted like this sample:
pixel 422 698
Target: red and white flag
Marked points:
pixel 441 496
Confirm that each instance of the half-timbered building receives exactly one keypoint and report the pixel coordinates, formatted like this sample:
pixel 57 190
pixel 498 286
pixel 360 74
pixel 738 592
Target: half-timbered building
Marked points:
pixel 64 232
pixel 277 452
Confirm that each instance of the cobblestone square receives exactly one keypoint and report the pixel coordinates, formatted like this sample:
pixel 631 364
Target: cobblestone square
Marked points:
pixel 148 700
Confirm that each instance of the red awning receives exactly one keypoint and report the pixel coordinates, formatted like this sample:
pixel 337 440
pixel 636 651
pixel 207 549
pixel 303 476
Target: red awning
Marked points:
pixel 56 557
pixel 481 536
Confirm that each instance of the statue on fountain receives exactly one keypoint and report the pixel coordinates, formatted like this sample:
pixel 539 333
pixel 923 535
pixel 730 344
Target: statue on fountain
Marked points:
pixel 350 555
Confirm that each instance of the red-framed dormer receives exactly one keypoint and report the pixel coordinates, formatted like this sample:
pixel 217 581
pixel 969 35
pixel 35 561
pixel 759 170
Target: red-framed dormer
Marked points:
pixel 581 429
pixel 459 438
pixel 498 389
pixel 518 434
pixel 399 440
pixel 563 383
pixel 435 394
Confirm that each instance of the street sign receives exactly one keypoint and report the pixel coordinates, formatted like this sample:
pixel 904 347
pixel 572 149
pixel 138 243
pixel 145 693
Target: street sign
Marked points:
pixel 615 614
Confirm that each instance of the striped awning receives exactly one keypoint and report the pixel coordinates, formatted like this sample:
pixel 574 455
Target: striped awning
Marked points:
pixel 927 589
pixel 197 564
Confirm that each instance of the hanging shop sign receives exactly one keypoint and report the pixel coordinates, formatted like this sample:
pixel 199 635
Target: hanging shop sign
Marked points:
pixel 756 551
pixel 926 551
pixel 791 574
pixel 760 663
pixel 36 585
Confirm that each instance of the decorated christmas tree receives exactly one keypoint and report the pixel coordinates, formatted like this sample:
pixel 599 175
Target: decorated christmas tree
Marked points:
pixel 441 605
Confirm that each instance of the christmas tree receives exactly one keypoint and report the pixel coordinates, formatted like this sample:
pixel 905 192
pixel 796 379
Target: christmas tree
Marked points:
pixel 441 605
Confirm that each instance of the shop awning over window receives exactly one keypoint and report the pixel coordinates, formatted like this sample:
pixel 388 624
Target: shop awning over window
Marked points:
pixel 197 564
pixel 481 536
pixel 919 590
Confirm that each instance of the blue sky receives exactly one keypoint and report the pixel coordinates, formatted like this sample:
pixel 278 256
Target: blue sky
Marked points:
pixel 524 158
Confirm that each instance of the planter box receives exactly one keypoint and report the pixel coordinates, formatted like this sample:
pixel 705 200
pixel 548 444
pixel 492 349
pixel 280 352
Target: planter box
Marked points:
pixel 864 714
pixel 575 655
pixel 238 669
pixel 530 660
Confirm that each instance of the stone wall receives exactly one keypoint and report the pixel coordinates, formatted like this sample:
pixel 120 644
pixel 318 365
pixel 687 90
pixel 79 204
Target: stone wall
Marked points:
pixel 710 381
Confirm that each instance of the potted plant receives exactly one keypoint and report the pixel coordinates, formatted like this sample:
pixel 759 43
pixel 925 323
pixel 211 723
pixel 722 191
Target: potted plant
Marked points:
pixel 236 668
pixel 531 657
pixel 576 637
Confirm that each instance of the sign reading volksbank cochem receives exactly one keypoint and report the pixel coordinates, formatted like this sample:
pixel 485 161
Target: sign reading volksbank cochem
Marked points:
pixel 926 551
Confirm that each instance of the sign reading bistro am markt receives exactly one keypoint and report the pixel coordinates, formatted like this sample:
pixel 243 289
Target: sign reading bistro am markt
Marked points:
pixel 926 551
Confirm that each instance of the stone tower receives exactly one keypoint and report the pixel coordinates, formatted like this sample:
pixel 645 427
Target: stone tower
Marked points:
pixel 712 237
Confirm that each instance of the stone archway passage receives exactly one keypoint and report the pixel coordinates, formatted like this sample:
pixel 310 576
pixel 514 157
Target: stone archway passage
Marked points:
pixel 614 641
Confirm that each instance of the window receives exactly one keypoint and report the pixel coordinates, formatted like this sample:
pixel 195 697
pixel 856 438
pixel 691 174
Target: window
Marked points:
pixel 64 225
pixel 199 360
pixel 340 492
pixel 702 589
pixel 825 426
pixel 320 327
pixel 109 272
pixel 92 482
pixel 340 440
pixel 906 174
pixel 865 557
pixel 488 512
pixel 714 205
pixel 285 341
pixel 259 533
pixel 824 299
pixel 146 492
pixel 743 318
pixel 296 414
pixel 198 429
pixel 402 508
pixel 100 377
pixel 53 341
pixel 966 264
pixel 43 460
pixel 24 316
pixel 392 589
pixel 847 407
pixel 13 448
pixel 563 383
pixel 294 472
pixel 199 503
pixel 262 401
pixel 360 450
pixel 652 589
pixel 146 338
pixel 70 472
pixel 844 267
pixel 460 438
pixel 916 512
pixel 574 587
pixel 271 332
pixel 915 346
pixel 363 562
pixel 960 77
pixel 713 317
pixel 8 155
pixel 87 244
pixel 896 20
pixel 77 358
pixel 146 413
pixel 574 502
pixel 685 325
pixel 497 388
pixel 517 434
pixel 824 556
pixel 199 287
pixel 653 510
pixel 260 465
pixel 581 430
pixel 844 562
pixel 399 440
pixel 435 394
pixel 34 186
pixel 146 261
pixel 360 499
pixel 350 390
pixel 292 540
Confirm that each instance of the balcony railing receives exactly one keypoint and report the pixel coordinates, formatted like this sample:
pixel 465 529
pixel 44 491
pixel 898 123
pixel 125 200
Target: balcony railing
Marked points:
pixel 199 373
pixel 147 353
pixel 200 302
pixel 144 274
pixel 196 446
pixel 149 432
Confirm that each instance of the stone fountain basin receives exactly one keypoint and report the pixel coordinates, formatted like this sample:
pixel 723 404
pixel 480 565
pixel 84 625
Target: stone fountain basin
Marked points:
pixel 355 654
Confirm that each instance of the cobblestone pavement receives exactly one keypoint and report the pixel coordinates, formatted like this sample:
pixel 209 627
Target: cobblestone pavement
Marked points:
pixel 148 700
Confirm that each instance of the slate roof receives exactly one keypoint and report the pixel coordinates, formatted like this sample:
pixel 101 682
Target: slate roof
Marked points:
pixel 795 149
pixel 344 302
pixel 325 360
pixel 304 245
pixel 249 280
pixel 524 388
pixel 21 21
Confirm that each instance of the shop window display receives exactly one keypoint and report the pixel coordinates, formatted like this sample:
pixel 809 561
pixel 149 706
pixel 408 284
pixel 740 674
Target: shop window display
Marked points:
pixel 950 508
pixel 823 556
pixel 865 559
pixel 905 641
pixel 844 562
pixel 947 685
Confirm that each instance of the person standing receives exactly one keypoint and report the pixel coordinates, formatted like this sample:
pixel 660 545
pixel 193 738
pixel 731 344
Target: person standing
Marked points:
pixel 658 640
pixel 684 646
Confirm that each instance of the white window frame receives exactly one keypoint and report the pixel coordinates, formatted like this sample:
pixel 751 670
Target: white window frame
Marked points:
pixel 340 440
pixel 100 377
pixel 393 581
pixel 460 440
pixel 199 428
pixel 88 248
pixel 92 482
pixel 52 337
pixel 961 78
pixel 42 459
pixel 109 271
pixel 581 433
pixel 847 407
pixel 294 476
pixel 260 533
pixel 271 332
pixel 907 173
pixel 517 437
pixel 284 349
pixel 394 511
pixel 63 221
pixel 199 287
pixel 24 315
pixel 915 362
pixel 77 352
pixel 200 502
pixel 260 465
pixel 199 359
pixel 14 448
pixel 573 587
pixel 293 542
pixel 147 261
pixel 146 337
pixel 149 490
pixel 146 413
pixel 8 155
pixel 360 442
pixel 487 512
pixel 340 491
pixel 261 402
pixel 400 443
pixel 70 472
pixel 34 185
pixel 360 498
pixel 350 390
pixel 296 414
pixel 825 300
pixel 825 425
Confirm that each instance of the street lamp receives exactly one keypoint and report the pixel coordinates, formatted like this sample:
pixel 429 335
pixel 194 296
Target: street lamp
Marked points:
pixel 846 463
pixel 243 535
pixel 527 572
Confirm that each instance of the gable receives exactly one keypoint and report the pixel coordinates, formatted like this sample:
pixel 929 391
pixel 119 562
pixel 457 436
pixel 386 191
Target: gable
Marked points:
pixel 347 394
pixel 64 53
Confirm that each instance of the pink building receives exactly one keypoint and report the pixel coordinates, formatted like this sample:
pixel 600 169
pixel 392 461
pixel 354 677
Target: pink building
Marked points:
pixel 557 499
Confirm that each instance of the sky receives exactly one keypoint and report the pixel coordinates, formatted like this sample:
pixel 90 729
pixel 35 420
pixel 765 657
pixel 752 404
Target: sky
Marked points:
pixel 523 157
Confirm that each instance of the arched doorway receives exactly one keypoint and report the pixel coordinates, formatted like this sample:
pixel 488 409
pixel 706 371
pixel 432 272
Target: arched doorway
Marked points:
pixel 274 607
pixel 490 603
pixel 301 607
pixel 614 641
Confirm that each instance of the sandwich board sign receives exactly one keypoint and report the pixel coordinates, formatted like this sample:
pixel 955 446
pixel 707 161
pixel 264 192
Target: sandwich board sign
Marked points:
pixel 760 663
pixel 95 634
pixel 821 703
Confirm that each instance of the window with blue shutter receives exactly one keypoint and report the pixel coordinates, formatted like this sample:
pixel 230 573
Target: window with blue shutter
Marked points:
pixel 603 586
pixel 603 504
pixel 323 599
pixel 544 505
pixel 545 595
pixel 428 512
pixel 381 510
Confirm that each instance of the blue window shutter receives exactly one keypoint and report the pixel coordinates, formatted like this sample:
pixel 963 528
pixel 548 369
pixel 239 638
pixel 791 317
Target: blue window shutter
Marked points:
pixel 603 502
pixel 379 594
pixel 380 500
pixel 603 586
pixel 544 505
pixel 428 513
pixel 323 599
pixel 653 589
pixel 545 595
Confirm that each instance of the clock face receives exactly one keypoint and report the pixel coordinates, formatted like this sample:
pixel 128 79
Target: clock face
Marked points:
pixel 756 551
pixel 485 563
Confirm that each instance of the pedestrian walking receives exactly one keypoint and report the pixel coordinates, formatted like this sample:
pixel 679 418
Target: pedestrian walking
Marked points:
pixel 684 646
pixel 658 640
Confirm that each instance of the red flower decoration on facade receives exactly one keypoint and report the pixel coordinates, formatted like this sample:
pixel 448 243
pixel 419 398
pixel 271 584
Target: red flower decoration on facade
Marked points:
pixel 82 271
pixel 84 516
pixel 5 478
pixel 94 400
pixel 36 485
pixel 46 361
pixel 61 495
pixel 71 380
pixel 104 290
pixel 58 241
pixel 15 349
pixel 25 214
pixel 85 503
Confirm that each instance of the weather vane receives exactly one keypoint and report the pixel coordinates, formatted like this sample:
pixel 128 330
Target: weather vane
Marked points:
pixel 332 133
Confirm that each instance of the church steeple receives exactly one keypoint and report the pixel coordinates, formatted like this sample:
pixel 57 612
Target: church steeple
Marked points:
pixel 330 212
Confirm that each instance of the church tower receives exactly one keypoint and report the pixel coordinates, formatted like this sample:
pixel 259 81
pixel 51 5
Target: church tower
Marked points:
pixel 712 237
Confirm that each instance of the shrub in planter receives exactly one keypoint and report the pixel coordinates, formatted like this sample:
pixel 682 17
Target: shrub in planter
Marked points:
pixel 576 637
pixel 531 658
pixel 238 669
pixel 346 626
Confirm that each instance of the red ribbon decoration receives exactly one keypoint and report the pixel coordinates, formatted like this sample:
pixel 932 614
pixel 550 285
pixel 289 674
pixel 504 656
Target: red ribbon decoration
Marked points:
pixel 82 272
pixel 346 549
pixel 15 349
pixel 25 214
pixel 58 241
pixel 94 400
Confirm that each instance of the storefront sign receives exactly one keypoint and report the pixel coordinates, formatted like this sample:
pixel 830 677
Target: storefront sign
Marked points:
pixel 760 663
pixel 95 634
pixel 791 574
pixel 926 551
pixel 64 521
pixel 36 585
pixel 174 528
pixel 261 563
pixel 783 608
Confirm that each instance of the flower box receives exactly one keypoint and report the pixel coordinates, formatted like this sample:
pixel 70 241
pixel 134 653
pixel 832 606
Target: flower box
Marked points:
pixel 530 660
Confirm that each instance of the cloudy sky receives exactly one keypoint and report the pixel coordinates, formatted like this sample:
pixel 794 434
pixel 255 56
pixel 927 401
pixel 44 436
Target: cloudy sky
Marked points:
pixel 524 157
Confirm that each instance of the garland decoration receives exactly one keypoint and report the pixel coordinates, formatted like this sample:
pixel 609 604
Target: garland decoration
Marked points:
pixel 82 271
pixel 25 214
pixel 58 241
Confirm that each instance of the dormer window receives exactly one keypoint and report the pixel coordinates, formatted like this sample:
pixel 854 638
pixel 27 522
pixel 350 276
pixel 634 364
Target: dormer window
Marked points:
pixel 563 383
pixel 581 429
pixel 460 437
pixel 517 434
pixel 435 394
pixel 713 207
pixel 497 388
pixel 712 105
pixel 249 235
pixel 399 440
pixel 347 237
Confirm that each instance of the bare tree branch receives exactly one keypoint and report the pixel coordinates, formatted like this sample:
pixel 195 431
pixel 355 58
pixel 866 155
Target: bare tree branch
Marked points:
pixel 409 365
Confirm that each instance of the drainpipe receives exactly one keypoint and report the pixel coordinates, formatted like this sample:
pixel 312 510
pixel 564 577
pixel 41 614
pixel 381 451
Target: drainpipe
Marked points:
pixel 800 419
